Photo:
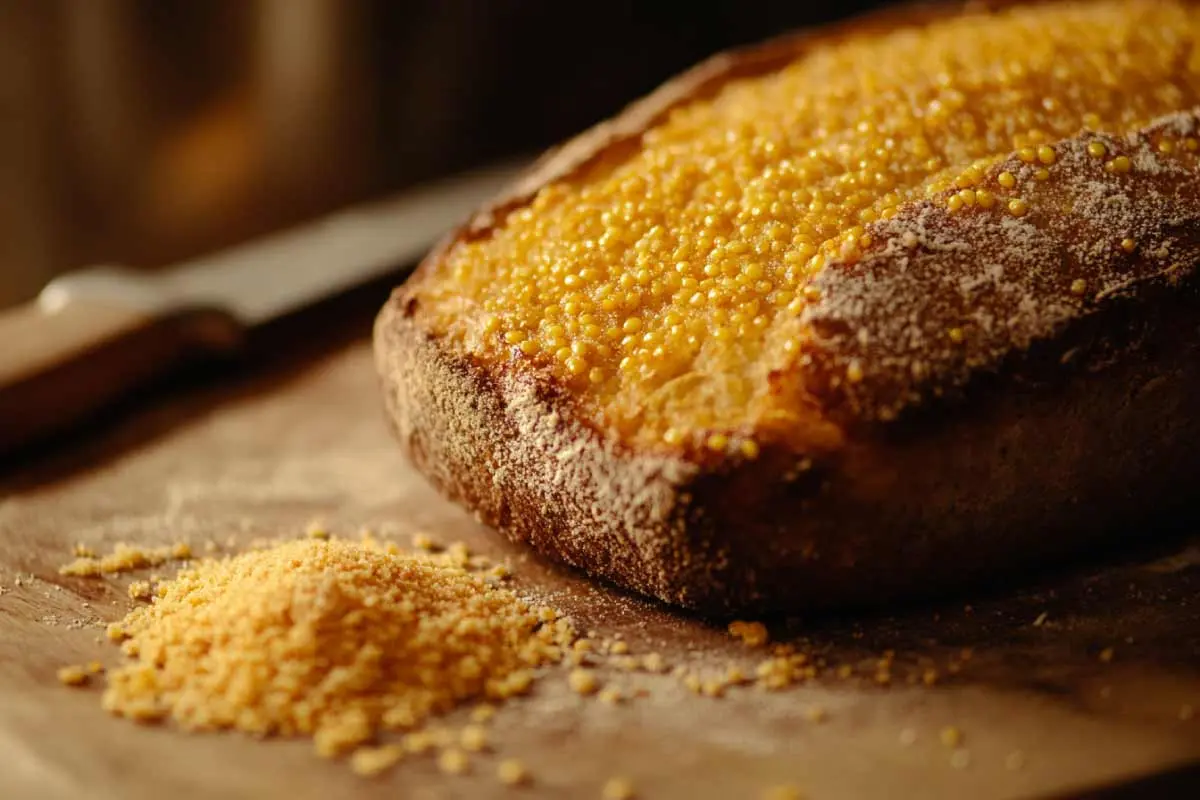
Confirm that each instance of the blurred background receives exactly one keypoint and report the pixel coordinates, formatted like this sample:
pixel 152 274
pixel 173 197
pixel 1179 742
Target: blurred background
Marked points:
pixel 142 132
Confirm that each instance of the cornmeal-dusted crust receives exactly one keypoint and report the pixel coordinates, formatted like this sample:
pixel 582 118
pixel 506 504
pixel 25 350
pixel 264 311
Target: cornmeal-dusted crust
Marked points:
pixel 1023 387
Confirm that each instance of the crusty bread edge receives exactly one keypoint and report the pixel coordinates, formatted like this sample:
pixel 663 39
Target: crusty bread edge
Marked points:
pixel 788 531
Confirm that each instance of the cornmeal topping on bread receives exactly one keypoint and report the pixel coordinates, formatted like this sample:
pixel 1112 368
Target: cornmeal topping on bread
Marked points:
pixel 662 284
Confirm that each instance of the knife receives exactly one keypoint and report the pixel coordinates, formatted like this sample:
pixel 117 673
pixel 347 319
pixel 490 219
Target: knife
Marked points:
pixel 94 336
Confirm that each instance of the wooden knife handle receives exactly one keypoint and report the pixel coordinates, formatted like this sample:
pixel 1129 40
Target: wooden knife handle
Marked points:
pixel 59 365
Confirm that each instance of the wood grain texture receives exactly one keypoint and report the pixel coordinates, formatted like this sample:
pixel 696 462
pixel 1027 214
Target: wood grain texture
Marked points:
pixel 266 454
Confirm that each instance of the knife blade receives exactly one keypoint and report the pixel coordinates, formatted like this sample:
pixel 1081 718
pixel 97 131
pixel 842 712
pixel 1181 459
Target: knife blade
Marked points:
pixel 92 336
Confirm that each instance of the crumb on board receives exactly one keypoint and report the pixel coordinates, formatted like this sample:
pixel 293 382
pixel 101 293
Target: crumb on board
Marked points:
pixel 125 558
pixel 951 736
pixel 483 712
pixel 752 634
pixel 610 695
pixel 372 761
pixel 583 681
pixel 473 738
pixel 73 675
pixel 453 762
pixel 512 772
pixel 618 789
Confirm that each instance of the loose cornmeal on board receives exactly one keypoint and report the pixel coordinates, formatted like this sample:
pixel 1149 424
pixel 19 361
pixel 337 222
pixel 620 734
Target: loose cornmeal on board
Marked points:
pixel 330 639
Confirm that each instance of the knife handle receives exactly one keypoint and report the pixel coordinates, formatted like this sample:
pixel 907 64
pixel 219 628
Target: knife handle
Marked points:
pixel 68 355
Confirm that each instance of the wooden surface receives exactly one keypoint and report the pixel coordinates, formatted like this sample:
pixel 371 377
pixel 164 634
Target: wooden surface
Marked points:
pixel 264 454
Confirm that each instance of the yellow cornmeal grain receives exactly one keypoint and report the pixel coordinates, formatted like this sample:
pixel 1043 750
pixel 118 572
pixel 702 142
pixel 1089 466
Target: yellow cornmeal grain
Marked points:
pixel 453 762
pixel 951 736
pixel 371 761
pixel 124 558
pixel 329 639
pixel 785 792
pixel 583 681
pixel 483 713
pixel 610 695
pixel 618 789
pixel 664 281
pixel 512 772
pixel 753 634
pixel 473 738
pixel 73 676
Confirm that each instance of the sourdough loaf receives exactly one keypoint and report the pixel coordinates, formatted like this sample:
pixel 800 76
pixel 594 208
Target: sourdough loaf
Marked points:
pixel 861 312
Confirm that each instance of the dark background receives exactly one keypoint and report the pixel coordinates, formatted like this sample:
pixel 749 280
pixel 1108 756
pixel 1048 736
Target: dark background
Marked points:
pixel 145 131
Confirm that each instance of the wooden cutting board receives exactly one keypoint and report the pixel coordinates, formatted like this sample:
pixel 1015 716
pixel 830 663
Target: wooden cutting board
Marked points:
pixel 305 439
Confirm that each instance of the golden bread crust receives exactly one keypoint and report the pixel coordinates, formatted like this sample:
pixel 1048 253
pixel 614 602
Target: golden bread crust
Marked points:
pixel 1021 388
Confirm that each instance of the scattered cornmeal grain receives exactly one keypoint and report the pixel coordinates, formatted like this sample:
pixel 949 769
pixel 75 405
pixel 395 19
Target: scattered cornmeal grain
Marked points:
pixel 619 648
pixel 583 681
pixel 1106 655
pixel 610 695
pixel 372 761
pixel 418 742
pixel 618 789
pixel 816 714
pixel 951 736
pixel 358 639
pixel 785 792
pixel 72 676
pixel 653 663
pixel 483 712
pixel 473 738
pixel 512 772
pixel 752 634
pixel 140 590
pixel 453 762
pixel 95 667
pixel 125 558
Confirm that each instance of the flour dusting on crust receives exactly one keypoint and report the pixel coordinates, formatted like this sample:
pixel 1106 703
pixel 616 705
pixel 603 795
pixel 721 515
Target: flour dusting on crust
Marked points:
pixel 943 297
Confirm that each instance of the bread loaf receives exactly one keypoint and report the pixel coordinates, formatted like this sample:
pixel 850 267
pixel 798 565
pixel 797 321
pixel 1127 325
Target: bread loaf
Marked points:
pixel 873 310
